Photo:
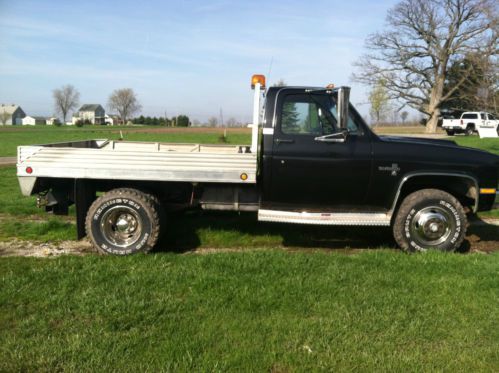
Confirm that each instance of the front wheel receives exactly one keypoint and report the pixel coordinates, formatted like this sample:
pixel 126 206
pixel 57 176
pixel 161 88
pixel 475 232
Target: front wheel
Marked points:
pixel 123 222
pixel 430 219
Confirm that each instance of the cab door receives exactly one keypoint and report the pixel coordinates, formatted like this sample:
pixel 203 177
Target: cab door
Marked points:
pixel 313 174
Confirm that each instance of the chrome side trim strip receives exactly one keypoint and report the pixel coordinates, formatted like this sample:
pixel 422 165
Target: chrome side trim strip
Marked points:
pixel 407 177
pixel 325 218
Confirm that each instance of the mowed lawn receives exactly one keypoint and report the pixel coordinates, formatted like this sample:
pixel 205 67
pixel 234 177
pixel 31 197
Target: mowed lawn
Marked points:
pixel 260 311
pixel 265 306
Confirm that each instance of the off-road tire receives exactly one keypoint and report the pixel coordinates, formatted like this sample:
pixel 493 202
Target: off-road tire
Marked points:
pixel 140 206
pixel 429 203
pixel 153 199
pixel 450 132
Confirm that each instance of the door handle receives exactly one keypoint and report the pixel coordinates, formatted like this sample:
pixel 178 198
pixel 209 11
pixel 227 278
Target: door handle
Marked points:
pixel 284 141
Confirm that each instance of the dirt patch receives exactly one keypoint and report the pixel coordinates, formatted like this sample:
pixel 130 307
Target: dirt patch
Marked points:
pixel 43 250
pixel 481 238
pixel 7 161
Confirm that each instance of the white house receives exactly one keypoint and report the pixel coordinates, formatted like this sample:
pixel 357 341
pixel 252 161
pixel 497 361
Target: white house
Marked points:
pixel 11 114
pixel 94 113
pixel 29 120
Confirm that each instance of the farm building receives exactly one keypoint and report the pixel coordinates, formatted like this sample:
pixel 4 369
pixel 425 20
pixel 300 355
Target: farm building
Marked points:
pixel 11 114
pixel 113 120
pixel 32 120
pixel 51 120
pixel 94 113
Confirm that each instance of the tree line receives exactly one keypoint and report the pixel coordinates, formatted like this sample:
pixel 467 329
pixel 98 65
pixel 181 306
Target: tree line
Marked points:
pixel 178 121
pixel 125 102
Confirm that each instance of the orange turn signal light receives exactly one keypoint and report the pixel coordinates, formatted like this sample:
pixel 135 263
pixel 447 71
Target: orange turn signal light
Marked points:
pixel 244 176
pixel 258 78
pixel 487 190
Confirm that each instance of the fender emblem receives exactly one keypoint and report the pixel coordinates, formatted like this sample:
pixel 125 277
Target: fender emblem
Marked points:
pixel 394 169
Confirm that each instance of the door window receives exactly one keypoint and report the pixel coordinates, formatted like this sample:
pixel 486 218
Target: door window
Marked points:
pixel 313 115
pixel 300 118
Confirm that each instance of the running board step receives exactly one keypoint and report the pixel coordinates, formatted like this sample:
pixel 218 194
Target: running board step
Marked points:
pixel 325 218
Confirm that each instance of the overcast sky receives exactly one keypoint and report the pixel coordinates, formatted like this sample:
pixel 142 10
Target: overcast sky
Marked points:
pixel 191 57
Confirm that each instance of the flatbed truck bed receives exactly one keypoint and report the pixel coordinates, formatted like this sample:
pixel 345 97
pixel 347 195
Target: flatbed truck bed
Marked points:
pixel 120 160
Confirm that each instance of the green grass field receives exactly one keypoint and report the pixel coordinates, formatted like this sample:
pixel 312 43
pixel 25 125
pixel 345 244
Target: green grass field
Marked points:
pixel 256 311
pixel 10 137
pixel 286 300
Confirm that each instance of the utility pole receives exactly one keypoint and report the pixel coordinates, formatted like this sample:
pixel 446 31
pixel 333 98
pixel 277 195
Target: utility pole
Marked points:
pixel 222 123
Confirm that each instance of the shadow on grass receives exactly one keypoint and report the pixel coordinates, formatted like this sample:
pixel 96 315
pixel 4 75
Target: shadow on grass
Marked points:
pixel 482 237
pixel 191 230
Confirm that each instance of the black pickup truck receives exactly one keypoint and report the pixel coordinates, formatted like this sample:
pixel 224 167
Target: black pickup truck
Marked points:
pixel 313 160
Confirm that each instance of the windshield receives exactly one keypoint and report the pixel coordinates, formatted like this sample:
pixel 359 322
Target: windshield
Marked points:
pixel 352 126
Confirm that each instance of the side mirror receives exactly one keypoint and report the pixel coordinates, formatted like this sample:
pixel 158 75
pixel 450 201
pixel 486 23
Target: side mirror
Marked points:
pixel 342 106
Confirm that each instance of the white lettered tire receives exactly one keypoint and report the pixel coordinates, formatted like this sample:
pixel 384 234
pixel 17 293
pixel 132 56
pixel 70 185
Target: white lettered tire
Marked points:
pixel 123 222
pixel 430 219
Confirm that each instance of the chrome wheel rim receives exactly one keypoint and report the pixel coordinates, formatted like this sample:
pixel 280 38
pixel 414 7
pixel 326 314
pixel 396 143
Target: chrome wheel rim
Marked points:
pixel 432 226
pixel 121 226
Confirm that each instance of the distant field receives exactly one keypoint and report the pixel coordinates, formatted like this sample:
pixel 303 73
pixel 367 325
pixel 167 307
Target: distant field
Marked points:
pixel 386 130
pixel 11 137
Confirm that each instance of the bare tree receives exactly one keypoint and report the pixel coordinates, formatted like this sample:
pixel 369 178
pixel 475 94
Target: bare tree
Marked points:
pixel 212 121
pixel 4 117
pixel 66 99
pixel 280 83
pixel 404 116
pixel 231 122
pixel 421 41
pixel 379 100
pixel 125 102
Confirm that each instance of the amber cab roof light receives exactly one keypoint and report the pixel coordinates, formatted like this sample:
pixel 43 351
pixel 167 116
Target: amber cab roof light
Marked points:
pixel 258 78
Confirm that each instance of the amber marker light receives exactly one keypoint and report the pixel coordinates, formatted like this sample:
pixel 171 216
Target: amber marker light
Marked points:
pixel 487 190
pixel 244 176
pixel 330 86
pixel 29 170
pixel 258 78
